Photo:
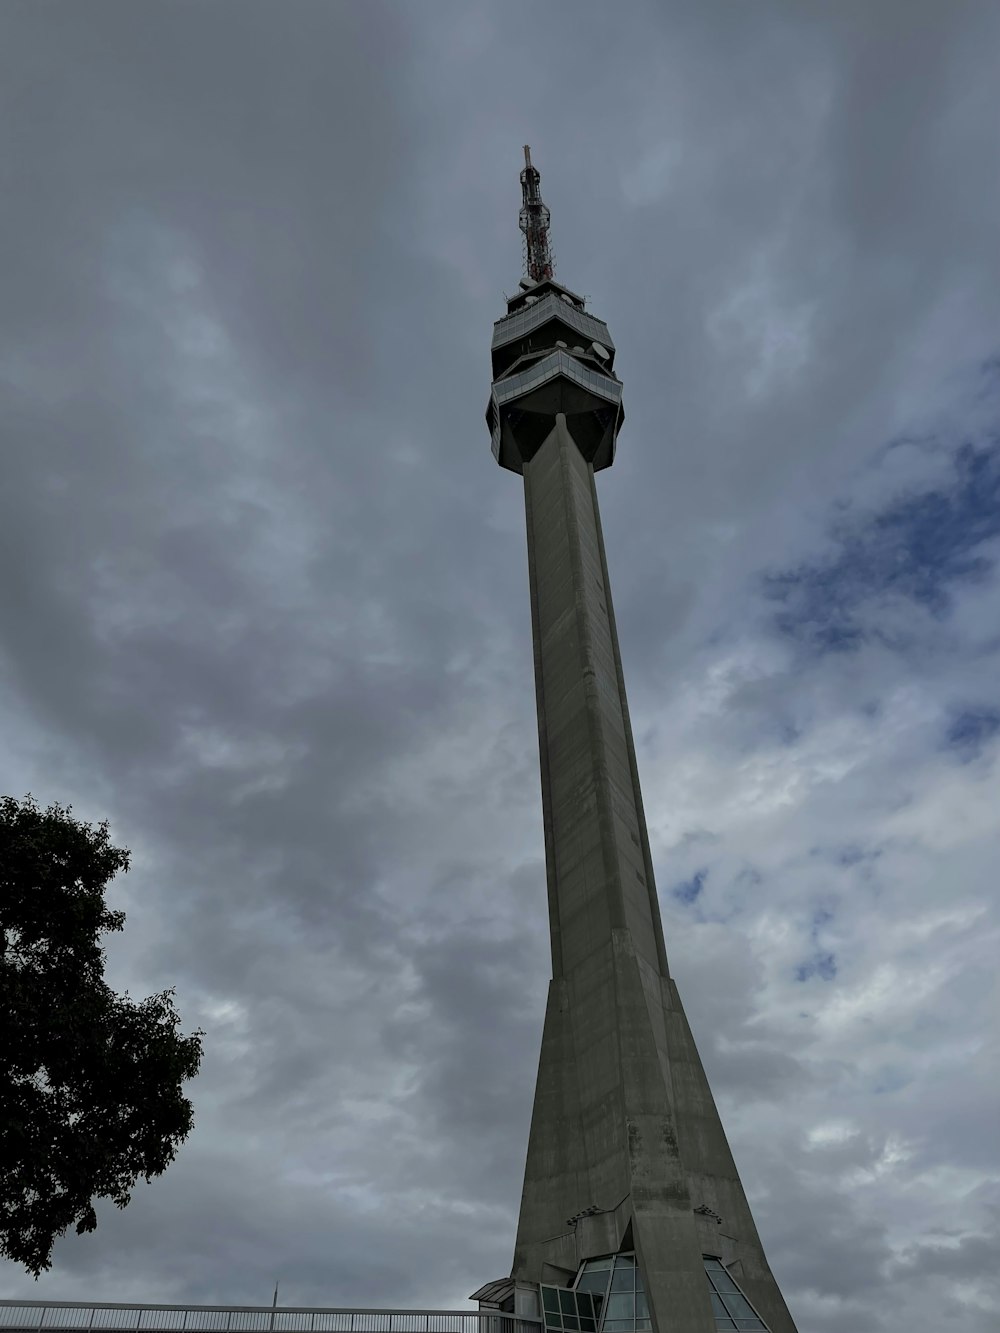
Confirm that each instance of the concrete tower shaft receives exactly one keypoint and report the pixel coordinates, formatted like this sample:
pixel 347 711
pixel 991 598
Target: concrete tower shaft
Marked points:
pixel 624 1122
pixel 599 868
pixel 626 1152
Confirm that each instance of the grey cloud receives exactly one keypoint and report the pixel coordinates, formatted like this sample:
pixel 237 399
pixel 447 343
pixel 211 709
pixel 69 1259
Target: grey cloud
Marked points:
pixel 264 598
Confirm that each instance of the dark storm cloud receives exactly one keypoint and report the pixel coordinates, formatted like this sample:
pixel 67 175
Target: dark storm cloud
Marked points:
pixel 186 117
pixel 264 598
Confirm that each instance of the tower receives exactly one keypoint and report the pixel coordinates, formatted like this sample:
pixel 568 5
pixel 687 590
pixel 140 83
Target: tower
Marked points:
pixel 632 1216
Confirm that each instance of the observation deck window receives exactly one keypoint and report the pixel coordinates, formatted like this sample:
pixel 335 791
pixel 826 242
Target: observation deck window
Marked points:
pixel 518 325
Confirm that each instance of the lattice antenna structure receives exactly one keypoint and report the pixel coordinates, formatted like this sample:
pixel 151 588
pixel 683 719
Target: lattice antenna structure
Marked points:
pixel 534 222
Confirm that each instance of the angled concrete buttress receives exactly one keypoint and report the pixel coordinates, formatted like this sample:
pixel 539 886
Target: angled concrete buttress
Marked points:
pixel 627 1154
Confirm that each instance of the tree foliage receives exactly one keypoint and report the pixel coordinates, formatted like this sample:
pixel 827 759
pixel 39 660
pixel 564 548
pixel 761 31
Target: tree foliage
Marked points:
pixel 90 1081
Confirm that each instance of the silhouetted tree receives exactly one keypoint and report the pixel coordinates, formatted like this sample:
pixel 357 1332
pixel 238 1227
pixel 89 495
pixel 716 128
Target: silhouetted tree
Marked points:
pixel 90 1081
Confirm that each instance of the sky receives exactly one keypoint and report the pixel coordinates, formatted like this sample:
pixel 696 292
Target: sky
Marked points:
pixel 265 607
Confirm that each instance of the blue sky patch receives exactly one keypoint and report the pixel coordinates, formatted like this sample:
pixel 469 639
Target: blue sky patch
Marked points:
pixel 969 730
pixel 852 856
pixel 848 856
pixel 690 889
pixel 823 965
pixel 916 548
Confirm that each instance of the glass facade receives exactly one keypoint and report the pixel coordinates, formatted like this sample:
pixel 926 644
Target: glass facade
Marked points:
pixel 567 1309
pixel 522 322
pixel 557 363
pixel 608 1297
pixel 732 1309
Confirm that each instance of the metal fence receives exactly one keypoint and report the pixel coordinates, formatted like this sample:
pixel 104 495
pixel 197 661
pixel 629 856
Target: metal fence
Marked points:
pixel 32 1316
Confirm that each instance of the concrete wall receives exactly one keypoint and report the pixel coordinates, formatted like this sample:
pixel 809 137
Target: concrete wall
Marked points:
pixel 623 1116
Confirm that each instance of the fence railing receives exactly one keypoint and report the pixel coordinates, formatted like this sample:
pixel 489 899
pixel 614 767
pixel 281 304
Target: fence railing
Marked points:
pixel 34 1316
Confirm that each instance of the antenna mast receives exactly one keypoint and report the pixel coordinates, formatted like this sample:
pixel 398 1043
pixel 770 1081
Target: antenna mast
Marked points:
pixel 534 222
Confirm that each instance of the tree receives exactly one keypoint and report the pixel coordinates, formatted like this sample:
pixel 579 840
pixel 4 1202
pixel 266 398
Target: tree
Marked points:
pixel 90 1081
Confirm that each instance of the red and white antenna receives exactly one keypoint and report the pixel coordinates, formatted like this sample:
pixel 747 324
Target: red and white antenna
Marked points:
pixel 534 222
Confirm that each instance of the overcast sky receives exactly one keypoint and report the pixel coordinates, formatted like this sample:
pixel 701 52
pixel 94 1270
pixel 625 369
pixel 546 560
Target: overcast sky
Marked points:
pixel 265 607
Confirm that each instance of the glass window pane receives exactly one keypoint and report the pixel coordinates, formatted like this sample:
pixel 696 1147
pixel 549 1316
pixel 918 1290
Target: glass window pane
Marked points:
pixel 605 1261
pixel 749 1323
pixel 623 1279
pixel 738 1304
pixel 723 1282
pixel 641 1306
pixel 550 1298
pixel 621 1306
pixel 567 1302
pixel 717 1306
pixel 597 1281
pixel 618 1325
pixel 625 1260
pixel 644 1324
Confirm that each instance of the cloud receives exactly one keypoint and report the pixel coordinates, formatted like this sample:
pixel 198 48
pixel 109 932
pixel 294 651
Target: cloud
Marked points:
pixel 914 550
pixel 264 604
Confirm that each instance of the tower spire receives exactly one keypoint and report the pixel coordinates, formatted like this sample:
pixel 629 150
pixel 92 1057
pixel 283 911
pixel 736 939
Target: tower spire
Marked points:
pixel 534 222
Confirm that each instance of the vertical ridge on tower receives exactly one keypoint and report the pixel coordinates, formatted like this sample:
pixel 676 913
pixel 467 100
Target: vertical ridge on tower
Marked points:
pixel 633 1216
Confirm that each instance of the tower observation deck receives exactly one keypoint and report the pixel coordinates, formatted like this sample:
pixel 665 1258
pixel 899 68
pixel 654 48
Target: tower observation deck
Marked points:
pixel 632 1215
